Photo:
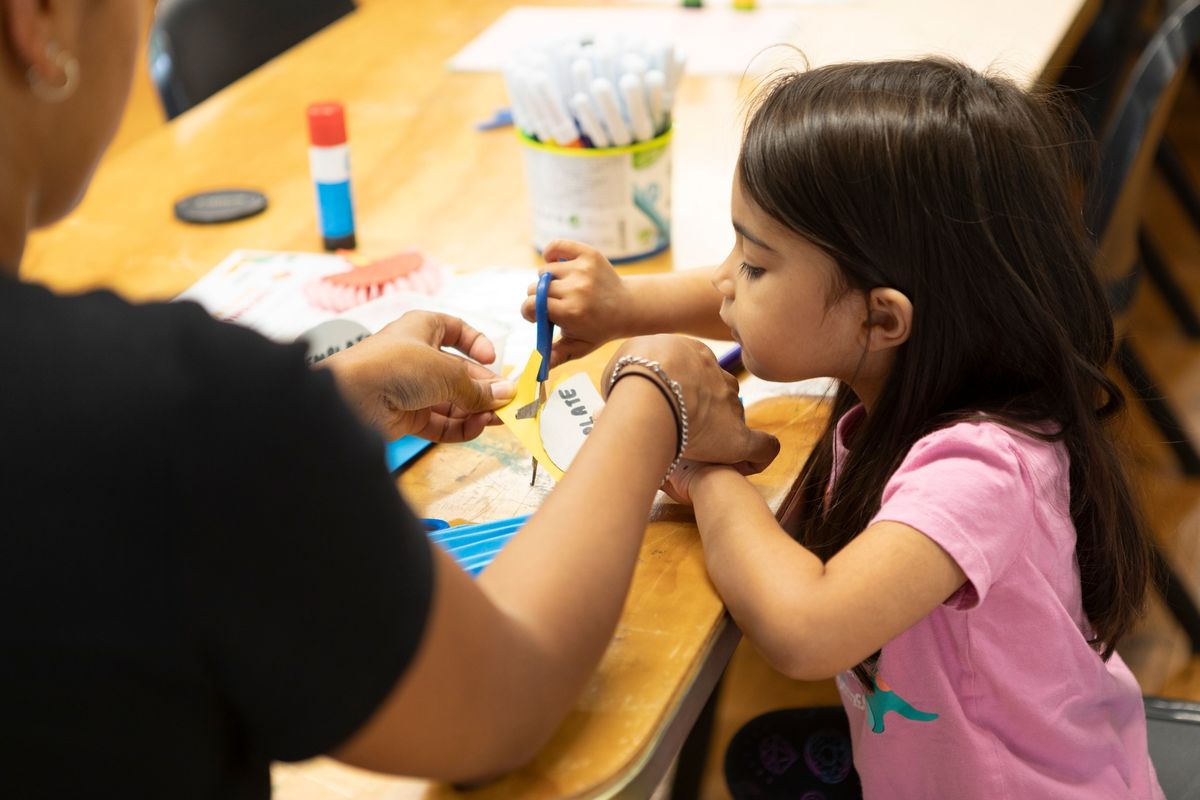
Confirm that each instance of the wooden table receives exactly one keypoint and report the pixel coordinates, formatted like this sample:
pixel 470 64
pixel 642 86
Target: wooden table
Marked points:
pixel 424 177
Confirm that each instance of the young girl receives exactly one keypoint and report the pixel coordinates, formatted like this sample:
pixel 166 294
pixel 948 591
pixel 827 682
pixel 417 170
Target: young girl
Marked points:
pixel 961 549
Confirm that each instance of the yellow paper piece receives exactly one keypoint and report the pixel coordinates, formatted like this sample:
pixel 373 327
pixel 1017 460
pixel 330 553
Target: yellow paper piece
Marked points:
pixel 528 431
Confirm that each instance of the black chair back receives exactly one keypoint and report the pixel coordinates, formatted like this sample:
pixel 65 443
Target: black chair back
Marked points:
pixel 1130 140
pixel 1173 731
pixel 1098 68
pixel 198 47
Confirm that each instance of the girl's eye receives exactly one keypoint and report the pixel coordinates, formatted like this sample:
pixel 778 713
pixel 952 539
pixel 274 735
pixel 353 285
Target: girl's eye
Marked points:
pixel 751 272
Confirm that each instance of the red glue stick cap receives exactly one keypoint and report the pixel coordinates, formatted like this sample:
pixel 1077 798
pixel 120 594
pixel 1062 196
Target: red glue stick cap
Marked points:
pixel 326 124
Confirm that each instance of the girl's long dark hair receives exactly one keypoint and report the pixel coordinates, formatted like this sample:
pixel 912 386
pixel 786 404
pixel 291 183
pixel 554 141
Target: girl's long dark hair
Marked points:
pixel 956 189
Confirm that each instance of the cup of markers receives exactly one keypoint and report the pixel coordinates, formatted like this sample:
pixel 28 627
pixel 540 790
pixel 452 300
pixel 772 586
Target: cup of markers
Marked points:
pixel 594 121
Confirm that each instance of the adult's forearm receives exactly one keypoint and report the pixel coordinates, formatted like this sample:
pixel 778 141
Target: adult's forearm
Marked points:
pixel 564 578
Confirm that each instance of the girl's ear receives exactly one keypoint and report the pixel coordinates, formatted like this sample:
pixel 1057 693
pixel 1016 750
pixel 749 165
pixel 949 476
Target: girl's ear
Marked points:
pixel 889 319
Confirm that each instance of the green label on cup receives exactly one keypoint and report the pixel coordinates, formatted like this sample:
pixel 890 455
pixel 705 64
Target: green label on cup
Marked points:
pixel 646 158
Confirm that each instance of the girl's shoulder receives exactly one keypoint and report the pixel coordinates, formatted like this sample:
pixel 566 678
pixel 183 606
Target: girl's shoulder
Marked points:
pixel 1033 453
pixel 985 477
pixel 987 432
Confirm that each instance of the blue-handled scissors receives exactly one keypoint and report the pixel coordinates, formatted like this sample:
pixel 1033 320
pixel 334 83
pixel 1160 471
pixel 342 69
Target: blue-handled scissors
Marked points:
pixel 545 343
pixel 545 331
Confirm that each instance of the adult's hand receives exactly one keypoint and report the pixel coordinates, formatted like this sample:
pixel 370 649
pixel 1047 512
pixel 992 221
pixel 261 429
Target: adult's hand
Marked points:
pixel 401 382
pixel 717 431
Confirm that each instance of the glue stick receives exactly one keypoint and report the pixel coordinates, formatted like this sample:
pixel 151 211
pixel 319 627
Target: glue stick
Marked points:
pixel 329 160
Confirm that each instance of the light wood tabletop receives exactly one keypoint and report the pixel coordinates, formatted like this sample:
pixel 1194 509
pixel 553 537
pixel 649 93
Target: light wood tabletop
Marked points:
pixel 424 177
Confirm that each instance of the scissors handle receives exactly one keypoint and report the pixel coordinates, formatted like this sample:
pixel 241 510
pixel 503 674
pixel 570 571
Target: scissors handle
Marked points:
pixel 545 328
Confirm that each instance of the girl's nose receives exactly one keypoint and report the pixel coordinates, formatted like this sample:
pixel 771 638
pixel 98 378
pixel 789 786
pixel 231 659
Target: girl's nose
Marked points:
pixel 722 277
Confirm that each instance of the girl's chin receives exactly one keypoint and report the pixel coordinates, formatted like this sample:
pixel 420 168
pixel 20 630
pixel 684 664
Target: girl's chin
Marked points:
pixel 759 370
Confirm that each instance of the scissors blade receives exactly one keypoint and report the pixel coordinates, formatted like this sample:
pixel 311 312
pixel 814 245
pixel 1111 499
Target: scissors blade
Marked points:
pixel 545 338
pixel 529 410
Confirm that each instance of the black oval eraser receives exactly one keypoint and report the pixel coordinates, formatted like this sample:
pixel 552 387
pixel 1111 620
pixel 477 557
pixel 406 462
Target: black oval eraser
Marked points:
pixel 221 205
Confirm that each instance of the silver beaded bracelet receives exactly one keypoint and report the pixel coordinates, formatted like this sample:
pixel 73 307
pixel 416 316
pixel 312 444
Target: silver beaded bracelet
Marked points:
pixel 680 413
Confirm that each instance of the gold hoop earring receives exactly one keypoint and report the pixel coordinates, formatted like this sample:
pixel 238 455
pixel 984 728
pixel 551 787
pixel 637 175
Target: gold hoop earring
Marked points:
pixel 64 61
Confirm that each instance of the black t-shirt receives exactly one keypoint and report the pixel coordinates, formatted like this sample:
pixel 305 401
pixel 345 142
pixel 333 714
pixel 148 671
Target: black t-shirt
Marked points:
pixel 204 564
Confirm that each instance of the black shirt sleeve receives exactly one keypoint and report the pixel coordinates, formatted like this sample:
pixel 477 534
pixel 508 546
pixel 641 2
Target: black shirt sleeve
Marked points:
pixel 308 580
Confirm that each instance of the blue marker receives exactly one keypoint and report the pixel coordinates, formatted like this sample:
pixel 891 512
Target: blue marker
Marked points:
pixel 329 159
pixel 731 360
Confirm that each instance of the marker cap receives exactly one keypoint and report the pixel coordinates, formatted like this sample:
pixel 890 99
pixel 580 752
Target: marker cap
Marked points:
pixel 326 124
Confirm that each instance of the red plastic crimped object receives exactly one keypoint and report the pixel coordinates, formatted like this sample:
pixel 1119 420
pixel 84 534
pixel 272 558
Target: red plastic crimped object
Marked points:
pixel 326 124
pixel 409 271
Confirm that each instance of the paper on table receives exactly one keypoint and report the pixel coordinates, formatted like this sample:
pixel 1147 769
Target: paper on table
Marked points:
pixel 718 41
pixel 264 290
pixel 755 389
pixel 568 417
pixel 527 430
pixel 562 425
pixel 715 4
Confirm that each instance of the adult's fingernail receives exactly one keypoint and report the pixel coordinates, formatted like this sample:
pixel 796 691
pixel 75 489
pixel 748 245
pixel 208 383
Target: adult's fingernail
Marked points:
pixel 504 390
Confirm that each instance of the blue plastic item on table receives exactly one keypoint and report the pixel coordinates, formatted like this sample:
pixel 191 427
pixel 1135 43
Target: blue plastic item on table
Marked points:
pixel 404 450
pixel 474 546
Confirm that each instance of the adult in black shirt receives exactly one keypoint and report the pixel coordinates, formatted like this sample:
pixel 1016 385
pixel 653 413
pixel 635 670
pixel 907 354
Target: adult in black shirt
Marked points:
pixel 204 565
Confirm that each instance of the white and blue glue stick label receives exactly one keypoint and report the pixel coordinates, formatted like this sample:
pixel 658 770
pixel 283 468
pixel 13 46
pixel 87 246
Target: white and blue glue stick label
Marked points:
pixel 331 174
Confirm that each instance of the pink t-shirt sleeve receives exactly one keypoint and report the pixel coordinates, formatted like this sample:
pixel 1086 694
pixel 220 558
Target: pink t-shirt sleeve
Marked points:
pixel 965 488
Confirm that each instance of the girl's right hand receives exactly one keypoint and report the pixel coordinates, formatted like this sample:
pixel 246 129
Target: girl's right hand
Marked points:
pixel 717 431
pixel 587 300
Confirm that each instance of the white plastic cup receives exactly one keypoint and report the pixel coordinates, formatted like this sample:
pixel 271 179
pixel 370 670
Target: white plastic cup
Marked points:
pixel 616 199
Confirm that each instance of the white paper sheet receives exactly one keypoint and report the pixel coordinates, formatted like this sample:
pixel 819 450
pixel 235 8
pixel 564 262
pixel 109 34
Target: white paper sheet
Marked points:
pixel 568 417
pixel 717 40
pixel 264 290
pixel 716 4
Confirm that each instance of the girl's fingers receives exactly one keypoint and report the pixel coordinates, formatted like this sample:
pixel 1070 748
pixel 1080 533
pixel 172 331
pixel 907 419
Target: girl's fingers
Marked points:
pixel 567 349
pixel 559 291
pixel 565 250
pixel 557 307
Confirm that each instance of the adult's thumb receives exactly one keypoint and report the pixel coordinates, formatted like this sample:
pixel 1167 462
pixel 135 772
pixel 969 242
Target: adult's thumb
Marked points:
pixel 761 449
pixel 475 395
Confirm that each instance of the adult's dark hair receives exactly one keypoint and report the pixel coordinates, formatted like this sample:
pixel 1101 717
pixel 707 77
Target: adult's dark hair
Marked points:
pixel 956 189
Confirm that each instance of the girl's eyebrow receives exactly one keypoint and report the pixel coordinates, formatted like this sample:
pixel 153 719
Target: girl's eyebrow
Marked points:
pixel 737 226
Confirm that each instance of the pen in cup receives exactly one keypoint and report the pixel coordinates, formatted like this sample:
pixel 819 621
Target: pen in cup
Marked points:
pixel 605 96
pixel 627 88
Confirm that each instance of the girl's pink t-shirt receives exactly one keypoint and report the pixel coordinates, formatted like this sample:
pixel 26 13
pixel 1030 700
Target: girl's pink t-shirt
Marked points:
pixel 995 694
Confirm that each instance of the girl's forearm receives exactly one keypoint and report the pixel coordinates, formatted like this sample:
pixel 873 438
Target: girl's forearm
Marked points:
pixel 761 573
pixel 677 302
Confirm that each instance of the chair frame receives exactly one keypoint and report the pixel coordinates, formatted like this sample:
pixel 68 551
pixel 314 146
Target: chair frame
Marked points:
pixel 197 47
pixel 1123 151
pixel 1184 712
